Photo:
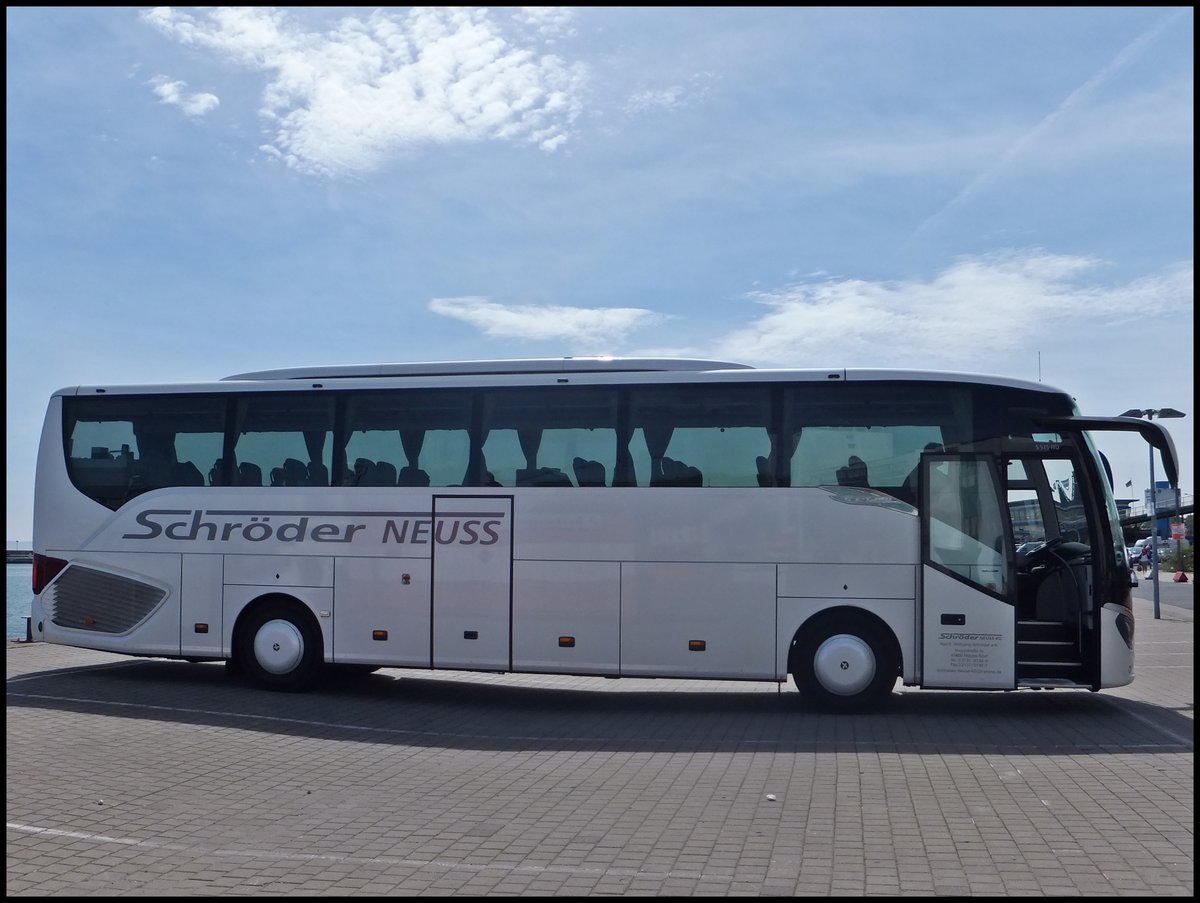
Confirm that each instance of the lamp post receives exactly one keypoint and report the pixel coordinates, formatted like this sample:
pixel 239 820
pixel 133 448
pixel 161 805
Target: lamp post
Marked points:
pixel 1178 537
pixel 1150 414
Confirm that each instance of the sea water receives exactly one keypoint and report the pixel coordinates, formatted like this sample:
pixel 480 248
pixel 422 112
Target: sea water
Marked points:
pixel 20 597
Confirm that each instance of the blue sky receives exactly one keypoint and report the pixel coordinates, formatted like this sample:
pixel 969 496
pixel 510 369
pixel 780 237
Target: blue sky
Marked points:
pixel 199 192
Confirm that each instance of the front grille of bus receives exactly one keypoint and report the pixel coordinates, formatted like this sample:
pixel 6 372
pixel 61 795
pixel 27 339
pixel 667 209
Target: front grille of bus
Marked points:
pixel 84 599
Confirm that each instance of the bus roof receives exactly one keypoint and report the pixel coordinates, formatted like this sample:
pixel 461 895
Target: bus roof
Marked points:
pixel 536 371
pixel 486 368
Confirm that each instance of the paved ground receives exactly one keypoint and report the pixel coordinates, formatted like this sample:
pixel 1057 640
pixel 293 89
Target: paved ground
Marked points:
pixel 129 777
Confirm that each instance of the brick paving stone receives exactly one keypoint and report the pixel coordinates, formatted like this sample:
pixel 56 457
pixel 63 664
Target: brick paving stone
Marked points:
pixel 422 783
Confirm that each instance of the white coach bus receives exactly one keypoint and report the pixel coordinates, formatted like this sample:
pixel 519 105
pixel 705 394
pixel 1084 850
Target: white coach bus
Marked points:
pixel 595 516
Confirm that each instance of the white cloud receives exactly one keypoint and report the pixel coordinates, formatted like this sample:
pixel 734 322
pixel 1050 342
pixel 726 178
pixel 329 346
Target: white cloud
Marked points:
pixel 997 302
pixel 172 92
pixel 348 99
pixel 603 325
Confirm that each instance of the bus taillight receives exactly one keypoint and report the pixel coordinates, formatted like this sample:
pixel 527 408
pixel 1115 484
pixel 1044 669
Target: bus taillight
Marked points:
pixel 45 569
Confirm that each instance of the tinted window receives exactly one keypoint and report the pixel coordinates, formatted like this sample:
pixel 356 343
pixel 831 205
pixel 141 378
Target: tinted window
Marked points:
pixel 560 436
pixel 283 440
pixel 700 435
pixel 417 438
pixel 118 448
pixel 871 435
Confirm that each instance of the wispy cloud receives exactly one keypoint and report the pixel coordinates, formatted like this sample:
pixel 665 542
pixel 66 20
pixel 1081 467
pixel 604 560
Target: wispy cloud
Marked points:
pixel 991 304
pixel 604 326
pixel 998 302
pixel 655 99
pixel 172 92
pixel 348 99
pixel 1132 51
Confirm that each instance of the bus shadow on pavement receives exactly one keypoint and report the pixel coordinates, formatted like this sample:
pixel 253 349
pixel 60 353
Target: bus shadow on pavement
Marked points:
pixel 411 708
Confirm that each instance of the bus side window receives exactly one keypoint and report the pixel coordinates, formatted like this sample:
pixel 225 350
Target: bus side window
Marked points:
pixel 357 475
pixel 708 436
pixel 854 473
pixel 588 473
pixel 382 474
pixel 536 438
pixel 422 436
pixel 186 473
pixel 670 472
pixel 411 474
pixel 290 428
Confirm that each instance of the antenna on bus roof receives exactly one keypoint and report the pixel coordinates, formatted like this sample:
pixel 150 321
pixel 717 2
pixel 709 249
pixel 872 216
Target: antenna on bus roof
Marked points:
pixel 485 368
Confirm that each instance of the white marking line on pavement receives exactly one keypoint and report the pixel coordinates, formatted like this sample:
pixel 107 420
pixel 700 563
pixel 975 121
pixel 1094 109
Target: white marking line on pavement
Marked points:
pixel 321 724
pixel 788 742
pixel 59 672
pixel 448 865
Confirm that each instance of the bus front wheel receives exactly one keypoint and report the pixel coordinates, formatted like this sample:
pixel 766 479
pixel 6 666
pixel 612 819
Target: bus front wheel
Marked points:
pixel 844 664
pixel 279 646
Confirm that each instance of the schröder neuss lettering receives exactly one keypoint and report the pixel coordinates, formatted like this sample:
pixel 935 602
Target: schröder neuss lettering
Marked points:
pixel 405 528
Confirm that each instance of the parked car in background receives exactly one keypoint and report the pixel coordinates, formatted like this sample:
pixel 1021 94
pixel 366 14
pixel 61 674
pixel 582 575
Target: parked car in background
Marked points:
pixel 1141 552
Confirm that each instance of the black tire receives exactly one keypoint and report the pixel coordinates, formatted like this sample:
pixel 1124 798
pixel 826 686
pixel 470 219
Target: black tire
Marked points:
pixel 279 646
pixel 845 664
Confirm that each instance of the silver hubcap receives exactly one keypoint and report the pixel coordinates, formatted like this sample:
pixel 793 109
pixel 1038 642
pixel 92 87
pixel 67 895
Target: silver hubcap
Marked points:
pixel 844 664
pixel 279 646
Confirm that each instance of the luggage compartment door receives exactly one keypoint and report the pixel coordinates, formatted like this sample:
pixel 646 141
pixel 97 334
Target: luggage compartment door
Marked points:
pixel 472 582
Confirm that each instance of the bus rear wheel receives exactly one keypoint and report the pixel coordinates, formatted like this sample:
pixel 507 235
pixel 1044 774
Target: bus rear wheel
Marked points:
pixel 279 646
pixel 844 664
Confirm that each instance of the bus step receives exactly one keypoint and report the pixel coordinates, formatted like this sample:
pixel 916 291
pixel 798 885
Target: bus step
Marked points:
pixel 1045 631
pixel 1038 670
pixel 1055 652
pixel 1056 662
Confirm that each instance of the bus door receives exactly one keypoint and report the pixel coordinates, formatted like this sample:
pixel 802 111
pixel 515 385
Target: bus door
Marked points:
pixel 472 549
pixel 968 610
pixel 1057 631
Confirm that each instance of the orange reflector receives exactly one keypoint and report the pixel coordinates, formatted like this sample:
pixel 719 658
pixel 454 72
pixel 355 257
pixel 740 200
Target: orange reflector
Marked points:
pixel 566 641
pixel 379 634
pixel 696 645
pixel 201 628
pixel 90 622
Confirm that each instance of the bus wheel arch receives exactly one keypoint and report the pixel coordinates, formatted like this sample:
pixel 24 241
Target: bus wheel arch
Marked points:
pixel 845 659
pixel 277 643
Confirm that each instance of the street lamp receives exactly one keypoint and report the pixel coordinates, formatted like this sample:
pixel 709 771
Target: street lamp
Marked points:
pixel 1150 414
